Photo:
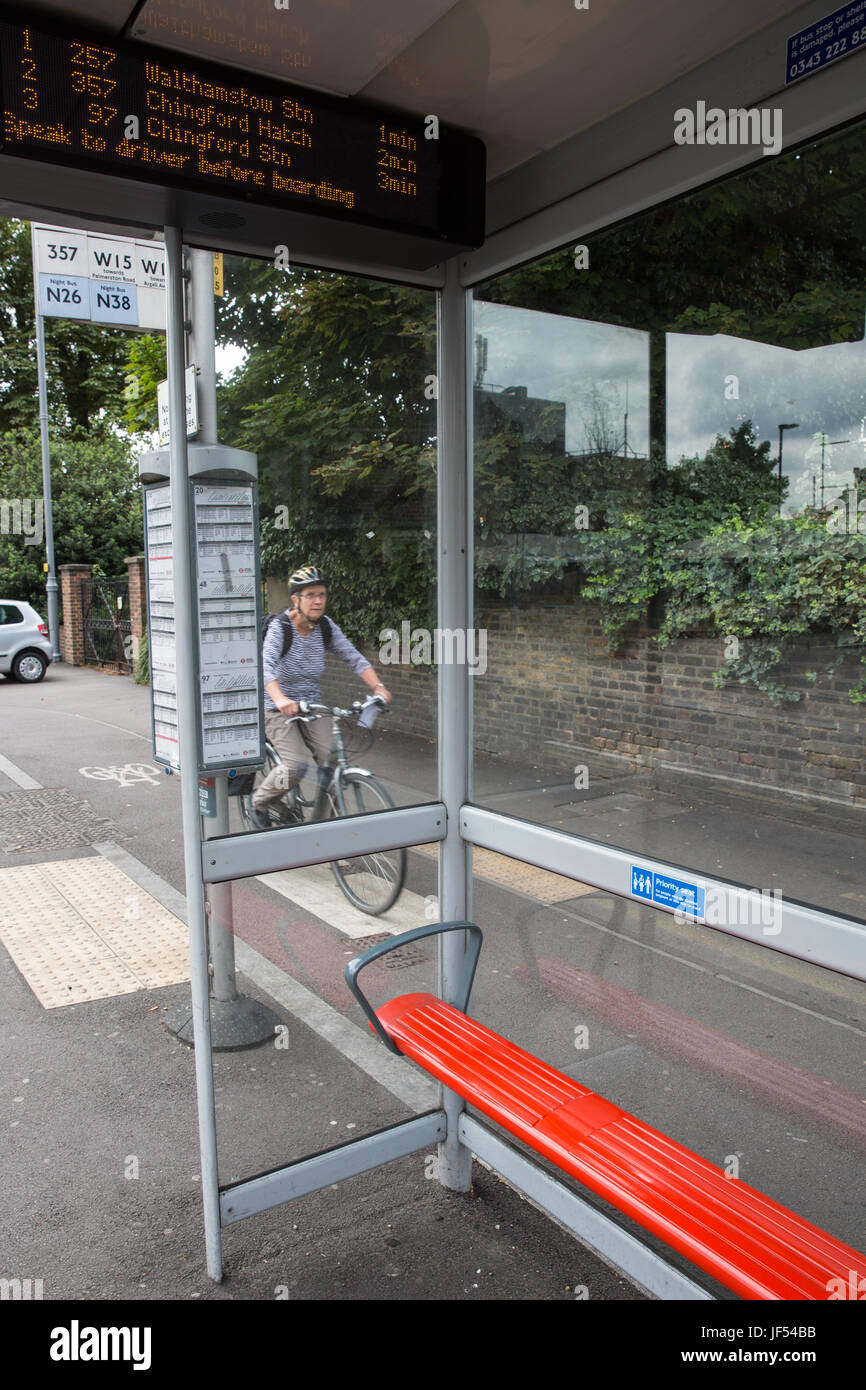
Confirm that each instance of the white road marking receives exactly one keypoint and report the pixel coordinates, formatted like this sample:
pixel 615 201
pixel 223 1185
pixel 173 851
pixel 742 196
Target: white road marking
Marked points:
pixel 91 719
pixel 316 890
pixel 22 779
pixel 127 775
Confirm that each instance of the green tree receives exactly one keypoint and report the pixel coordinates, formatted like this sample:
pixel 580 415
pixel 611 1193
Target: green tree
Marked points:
pixel 96 504
pixel 776 255
pixel 145 368
pixel 85 363
pixel 336 398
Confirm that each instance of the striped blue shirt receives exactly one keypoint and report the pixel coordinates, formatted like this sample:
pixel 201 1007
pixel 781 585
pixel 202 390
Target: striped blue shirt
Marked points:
pixel 299 672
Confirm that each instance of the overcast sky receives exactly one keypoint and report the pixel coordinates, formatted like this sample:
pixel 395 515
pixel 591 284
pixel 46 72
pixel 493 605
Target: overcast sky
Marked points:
pixel 819 389
pixel 564 359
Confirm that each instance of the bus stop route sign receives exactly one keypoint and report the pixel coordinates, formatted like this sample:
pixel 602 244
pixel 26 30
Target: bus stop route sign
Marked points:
pixel 118 281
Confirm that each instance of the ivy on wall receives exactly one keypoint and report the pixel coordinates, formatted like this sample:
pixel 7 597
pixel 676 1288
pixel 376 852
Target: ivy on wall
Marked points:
pixel 700 548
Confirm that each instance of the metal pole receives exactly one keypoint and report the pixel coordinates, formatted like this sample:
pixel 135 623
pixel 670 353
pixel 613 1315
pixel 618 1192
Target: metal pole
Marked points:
pixel 454 601
pixel 236 1021
pixel 202 342
pixel 48 519
pixel 202 351
pixel 823 446
pixel 188 746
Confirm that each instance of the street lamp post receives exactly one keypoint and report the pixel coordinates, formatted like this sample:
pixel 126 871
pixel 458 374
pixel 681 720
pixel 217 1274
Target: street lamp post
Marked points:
pixel 782 428
pixel 827 444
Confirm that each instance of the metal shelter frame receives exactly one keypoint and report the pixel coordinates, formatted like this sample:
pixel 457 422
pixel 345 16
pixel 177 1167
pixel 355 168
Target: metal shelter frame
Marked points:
pixel 594 180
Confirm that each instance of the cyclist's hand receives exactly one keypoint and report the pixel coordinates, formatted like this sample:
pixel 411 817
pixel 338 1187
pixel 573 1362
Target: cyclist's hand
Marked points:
pixel 289 708
pixel 385 694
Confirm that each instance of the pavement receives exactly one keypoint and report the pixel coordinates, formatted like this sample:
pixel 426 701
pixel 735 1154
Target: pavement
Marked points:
pixel 100 1164
pixel 100 1169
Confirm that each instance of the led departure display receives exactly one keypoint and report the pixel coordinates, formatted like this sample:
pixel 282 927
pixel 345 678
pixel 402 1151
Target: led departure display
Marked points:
pixel 123 109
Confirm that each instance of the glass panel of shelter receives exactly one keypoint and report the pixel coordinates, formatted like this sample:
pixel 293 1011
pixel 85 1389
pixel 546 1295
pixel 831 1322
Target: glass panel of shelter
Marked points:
pixel 670 566
pixel 328 379
pixel 276 1102
pixel 670 532
pixel 749 1058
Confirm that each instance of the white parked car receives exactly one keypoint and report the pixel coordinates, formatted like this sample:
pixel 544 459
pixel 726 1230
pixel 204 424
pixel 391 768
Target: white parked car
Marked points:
pixel 25 651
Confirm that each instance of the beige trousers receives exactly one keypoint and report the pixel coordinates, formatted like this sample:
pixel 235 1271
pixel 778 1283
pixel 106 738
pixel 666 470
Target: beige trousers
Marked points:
pixel 299 745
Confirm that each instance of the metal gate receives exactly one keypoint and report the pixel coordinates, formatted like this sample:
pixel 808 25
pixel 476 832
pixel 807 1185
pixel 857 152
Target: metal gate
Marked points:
pixel 107 624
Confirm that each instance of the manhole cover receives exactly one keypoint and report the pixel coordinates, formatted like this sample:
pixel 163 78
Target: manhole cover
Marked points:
pixel 395 960
pixel 50 818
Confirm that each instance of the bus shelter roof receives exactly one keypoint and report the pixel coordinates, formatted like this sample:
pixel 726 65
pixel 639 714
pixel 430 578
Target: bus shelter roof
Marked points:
pixel 558 93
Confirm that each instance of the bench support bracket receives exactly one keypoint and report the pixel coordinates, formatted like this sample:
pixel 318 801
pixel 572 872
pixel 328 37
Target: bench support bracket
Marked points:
pixel 334 1165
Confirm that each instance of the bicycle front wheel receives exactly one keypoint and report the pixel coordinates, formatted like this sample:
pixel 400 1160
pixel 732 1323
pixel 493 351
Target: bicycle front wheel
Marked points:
pixel 371 882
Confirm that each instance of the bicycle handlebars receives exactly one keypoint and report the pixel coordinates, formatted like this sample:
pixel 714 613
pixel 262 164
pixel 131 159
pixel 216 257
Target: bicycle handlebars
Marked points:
pixel 309 712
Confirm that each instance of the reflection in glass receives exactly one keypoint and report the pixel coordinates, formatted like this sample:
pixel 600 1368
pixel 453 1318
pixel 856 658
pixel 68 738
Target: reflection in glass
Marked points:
pixel 670 488
pixel 740 1054
pixel 561 408
pixel 816 393
pixel 326 378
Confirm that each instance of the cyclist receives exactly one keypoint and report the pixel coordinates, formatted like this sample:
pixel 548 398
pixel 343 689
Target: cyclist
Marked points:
pixel 292 671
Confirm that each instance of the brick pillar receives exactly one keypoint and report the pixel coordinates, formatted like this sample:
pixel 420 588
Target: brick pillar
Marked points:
pixel 72 577
pixel 137 600
pixel 278 595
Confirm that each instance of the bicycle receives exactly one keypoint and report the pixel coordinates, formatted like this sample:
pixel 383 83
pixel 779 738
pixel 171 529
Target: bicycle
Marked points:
pixel 377 879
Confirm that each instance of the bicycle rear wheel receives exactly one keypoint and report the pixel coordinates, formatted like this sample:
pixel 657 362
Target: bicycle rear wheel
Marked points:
pixel 371 882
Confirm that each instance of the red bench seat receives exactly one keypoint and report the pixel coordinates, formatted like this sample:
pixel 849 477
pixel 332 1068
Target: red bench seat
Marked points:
pixel 745 1240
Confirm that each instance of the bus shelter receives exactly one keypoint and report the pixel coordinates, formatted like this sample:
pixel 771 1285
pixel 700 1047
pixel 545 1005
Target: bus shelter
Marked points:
pixel 648 412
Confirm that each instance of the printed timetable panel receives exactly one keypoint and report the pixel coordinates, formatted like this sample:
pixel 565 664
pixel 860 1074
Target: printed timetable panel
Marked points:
pixel 223 520
pixel 229 640
pixel 161 624
pixel 128 109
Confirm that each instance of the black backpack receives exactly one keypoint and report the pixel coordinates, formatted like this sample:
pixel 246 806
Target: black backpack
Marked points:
pixel 289 630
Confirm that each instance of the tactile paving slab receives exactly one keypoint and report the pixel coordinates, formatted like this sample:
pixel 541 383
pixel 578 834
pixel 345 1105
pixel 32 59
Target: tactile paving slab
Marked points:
pixel 51 818
pixel 80 929
pixel 537 883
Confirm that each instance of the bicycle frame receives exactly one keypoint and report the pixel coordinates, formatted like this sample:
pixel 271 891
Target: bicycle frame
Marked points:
pixel 336 766
pixel 371 882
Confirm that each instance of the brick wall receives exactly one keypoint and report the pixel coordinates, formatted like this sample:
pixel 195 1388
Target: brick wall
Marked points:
pixel 552 694
pixel 71 635
pixel 137 600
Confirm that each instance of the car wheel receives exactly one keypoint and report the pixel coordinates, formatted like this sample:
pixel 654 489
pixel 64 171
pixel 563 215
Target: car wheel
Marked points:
pixel 29 667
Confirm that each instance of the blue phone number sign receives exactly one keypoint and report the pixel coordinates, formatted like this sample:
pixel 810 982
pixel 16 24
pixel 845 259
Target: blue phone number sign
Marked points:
pixel 826 41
